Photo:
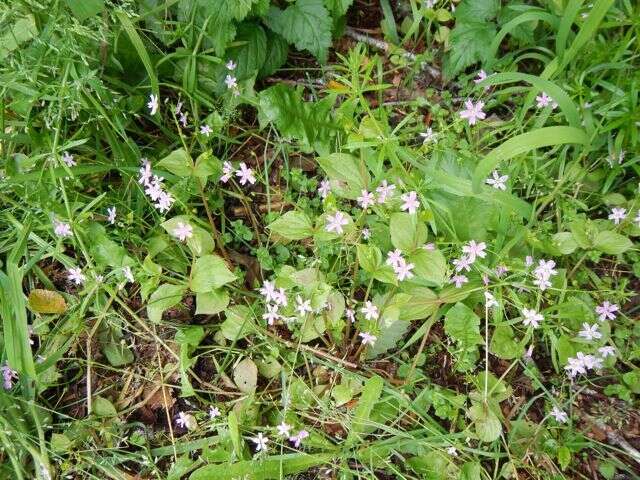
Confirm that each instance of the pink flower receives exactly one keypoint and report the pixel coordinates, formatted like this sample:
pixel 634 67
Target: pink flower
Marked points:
pixel 366 199
pixel 617 215
pixel 606 311
pixel 336 222
pixel 367 338
pixel 325 188
pixel 245 174
pixel 459 280
pixel 474 249
pixel 480 77
pixel 473 111
pixel 411 202
pixel 297 439
pixel 385 190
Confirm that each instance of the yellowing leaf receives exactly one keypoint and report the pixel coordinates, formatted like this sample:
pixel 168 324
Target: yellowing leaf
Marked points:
pixel 46 301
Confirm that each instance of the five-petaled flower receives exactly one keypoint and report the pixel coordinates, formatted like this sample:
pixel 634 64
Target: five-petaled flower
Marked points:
pixel 545 100
pixel 231 82
pixel 385 190
pixel 283 429
pixel 617 215
pixel 475 249
pixel 61 229
pixel 183 231
pixel 153 103
pixel 324 188
pixel 303 306
pixel 559 415
pixel 214 412
pixel 498 181
pixel 245 174
pixel 531 318
pixel 230 65
pixel 260 441
pixel 607 351
pixel 206 130
pixel 335 223
pixel 76 276
pixel 227 172
pixel 367 338
pixel 428 136
pixel 590 332
pixel 67 158
pixel 411 202
pixel 298 438
pixel 473 111
pixel 607 311
pixel 366 199
pixel 459 280
pixel 370 311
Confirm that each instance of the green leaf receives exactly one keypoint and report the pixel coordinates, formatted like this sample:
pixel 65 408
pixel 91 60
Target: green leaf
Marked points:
pixel 277 52
pixel 207 164
pixel 293 225
pixel 543 137
pixel 468 41
pixel 85 8
pixel 369 257
pixel 46 301
pixel 430 266
pixel 416 303
pixel 200 243
pixel 477 10
pixel 23 30
pixel 140 49
pixel 564 242
pixel 210 272
pixel 269 468
pixel 391 331
pixel 177 162
pixel 349 175
pixel 238 323
pixel 487 424
pixel 463 325
pixel 370 395
pixel 338 8
pixel 611 243
pixel 306 24
pixel 211 303
pixel 251 54
pixel 245 376
pixel 407 232
pixel 503 343
pixel 103 407
pixel 166 296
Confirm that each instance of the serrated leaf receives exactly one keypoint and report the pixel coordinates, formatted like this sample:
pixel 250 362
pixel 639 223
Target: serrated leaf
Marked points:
pixel 210 272
pixel 293 225
pixel 306 24
pixel 245 376
pixel 277 53
pixel 166 296
pixel 468 41
pixel 46 301
pixel 477 10
pixel 250 54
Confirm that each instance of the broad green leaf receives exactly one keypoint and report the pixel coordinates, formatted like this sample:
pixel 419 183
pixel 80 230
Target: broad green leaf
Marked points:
pixel 293 225
pixel 269 468
pixel 370 395
pixel 166 296
pixel 277 52
pixel 611 243
pixel 181 467
pixel 430 266
pixel 417 303
pixel 407 232
pixel 250 54
pixel 463 325
pixel 245 376
pixel 46 301
pixel 211 303
pixel 487 424
pixel 503 343
pixel 85 8
pixel 349 175
pixel 306 23
pixel 391 331
pixel 338 8
pixel 210 272
pixel 469 41
pixel 543 137
pixel 103 407
pixel 238 323
pixel 477 10
pixel 200 243
pixel 369 257
pixel 207 165
pixel 564 242
pixel 23 30
pixel 177 162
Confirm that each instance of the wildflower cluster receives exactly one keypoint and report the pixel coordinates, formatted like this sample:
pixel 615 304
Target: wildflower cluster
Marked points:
pixel 154 188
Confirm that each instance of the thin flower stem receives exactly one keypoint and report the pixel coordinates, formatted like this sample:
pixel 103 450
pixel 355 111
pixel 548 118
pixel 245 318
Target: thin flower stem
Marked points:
pixel 214 229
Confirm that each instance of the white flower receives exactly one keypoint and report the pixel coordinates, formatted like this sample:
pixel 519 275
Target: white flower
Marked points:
pixel 528 261
pixel 152 105
pixel 394 258
pixel 206 130
pixel 267 291
pixel 230 65
pixel 370 311
pixel 385 190
pixel 473 112
pixel 271 314
pixel 183 231
pixel 607 351
pixel 411 202
pixel 462 263
pixel 545 100
pixel 543 273
pixel 498 181
pixel 68 159
pixel 111 215
pixel 186 420
pixel 324 188
pixel 428 136
pixel 183 119
pixel 366 199
pixel 531 318
pixel 303 306
pixel 592 362
pixel 128 274
pixel 245 174
pixel 283 429
pixel 280 297
pixel 490 300
pixel 178 108
pixel 542 283
pixel 452 451
pixel 261 442
pixel 367 338
pixel 231 82
pixel 214 412
pixel 227 172
pixel 76 276
pixel 297 439
pixel 366 234
pixel 459 280
pixel 575 366
pixel 607 311
pixel 403 270
pixel 590 332
pixel 559 415
pixel 617 215
pixel 473 250
pixel 336 222
pixel 350 314
pixel 61 229
pixel 480 76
